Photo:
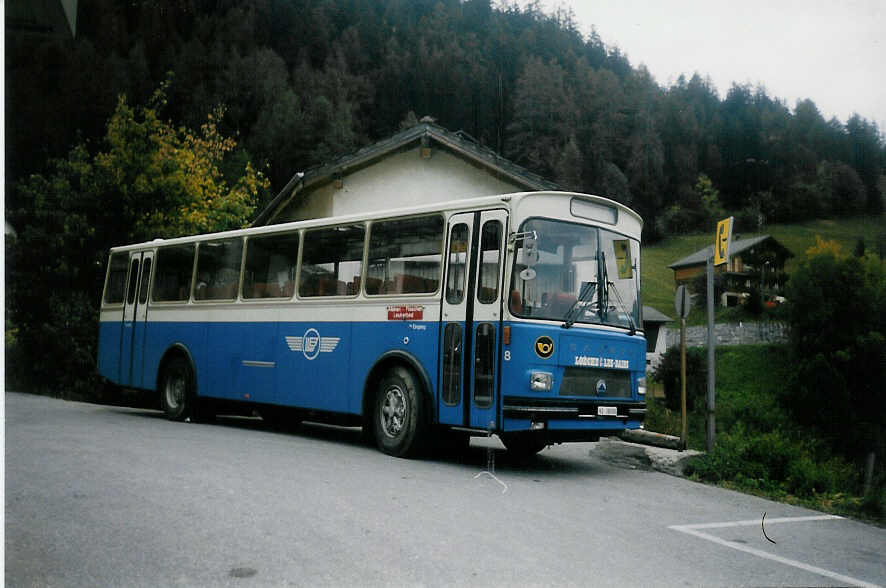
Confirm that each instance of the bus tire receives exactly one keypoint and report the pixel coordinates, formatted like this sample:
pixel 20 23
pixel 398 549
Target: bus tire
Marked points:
pixel 400 427
pixel 522 446
pixel 177 392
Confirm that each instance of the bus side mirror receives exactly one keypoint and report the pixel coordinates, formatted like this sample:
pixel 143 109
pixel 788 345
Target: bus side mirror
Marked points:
pixel 529 252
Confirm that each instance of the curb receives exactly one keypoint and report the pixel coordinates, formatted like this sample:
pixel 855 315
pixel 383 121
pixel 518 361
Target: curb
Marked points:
pixel 645 437
pixel 646 452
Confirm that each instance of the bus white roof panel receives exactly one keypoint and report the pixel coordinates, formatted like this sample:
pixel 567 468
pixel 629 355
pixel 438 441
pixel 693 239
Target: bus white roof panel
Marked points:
pixel 524 204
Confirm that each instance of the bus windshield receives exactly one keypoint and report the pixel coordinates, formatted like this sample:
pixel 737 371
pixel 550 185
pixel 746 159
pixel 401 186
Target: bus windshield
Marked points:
pixel 575 274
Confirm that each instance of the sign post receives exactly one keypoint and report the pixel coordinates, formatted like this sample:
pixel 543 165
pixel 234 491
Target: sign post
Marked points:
pixel 722 242
pixel 710 421
pixel 682 303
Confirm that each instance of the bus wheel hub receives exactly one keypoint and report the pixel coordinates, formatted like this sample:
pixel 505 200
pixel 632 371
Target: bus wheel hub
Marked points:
pixel 393 413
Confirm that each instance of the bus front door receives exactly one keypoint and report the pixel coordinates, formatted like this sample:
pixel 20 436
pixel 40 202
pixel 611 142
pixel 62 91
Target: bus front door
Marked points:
pixel 471 320
pixel 135 314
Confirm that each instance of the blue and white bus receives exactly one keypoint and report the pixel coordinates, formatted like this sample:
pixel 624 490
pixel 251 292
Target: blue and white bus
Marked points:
pixel 516 314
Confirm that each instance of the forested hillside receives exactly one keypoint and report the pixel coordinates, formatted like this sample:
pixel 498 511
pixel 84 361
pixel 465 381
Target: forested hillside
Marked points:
pixel 304 80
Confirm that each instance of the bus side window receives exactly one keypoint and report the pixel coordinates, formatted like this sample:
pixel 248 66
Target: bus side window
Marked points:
pixel 133 280
pixel 405 256
pixel 114 289
pixel 332 261
pixel 270 266
pixel 458 258
pixel 146 276
pixel 218 269
pixel 490 247
pixel 172 280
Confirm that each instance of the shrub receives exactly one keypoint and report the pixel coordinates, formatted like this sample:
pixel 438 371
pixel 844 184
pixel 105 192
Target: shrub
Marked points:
pixel 774 462
pixel 668 373
pixel 837 313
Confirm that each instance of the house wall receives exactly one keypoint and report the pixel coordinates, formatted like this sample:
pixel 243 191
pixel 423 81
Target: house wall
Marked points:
pixel 685 274
pixel 653 358
pixel 402 179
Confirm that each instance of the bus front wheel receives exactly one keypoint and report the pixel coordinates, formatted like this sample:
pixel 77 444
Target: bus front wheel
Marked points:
pixel 400 428
pixel 177 398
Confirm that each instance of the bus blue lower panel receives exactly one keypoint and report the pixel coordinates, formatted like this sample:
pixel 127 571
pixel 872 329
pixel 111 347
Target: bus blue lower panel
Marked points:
pixel 318 366
pixel 109 334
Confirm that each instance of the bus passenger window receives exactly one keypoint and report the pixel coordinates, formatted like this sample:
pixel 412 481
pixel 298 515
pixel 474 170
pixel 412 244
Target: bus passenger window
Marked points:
pixel 332 261
pixel 270 266
pixel 146 277
pixel 114 289
pixel 133 280
pixel 405 256
pixel 218 269
pixel 172 280
pixel 457 273
pixel 490 246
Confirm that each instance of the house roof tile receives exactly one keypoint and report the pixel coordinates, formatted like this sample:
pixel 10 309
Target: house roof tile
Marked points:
pixel 701 256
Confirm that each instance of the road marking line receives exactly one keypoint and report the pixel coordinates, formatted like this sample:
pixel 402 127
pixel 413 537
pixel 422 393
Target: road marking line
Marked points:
pixel 694 530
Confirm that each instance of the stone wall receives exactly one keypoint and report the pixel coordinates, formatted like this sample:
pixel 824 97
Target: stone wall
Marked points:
pixel 743 333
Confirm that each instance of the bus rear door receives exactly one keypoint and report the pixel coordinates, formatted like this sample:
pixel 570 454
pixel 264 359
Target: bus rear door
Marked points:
pixel 471 320
pixel 135 316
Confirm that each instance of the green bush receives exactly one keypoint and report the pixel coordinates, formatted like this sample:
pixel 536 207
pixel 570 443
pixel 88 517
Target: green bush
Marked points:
pixel 838 342
pixel 668 373
pixel 776 463
pixel 749 379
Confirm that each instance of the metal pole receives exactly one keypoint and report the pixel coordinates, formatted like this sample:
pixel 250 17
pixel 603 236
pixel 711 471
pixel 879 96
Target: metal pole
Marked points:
pixel 684 441
pixel 711 426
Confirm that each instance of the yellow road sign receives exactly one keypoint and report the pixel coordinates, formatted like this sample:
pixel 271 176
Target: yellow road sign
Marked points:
pixel 721 241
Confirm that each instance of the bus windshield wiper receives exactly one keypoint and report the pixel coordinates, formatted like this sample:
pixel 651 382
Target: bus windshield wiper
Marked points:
pixel 604 294
pixel 622 307
pixel 585 296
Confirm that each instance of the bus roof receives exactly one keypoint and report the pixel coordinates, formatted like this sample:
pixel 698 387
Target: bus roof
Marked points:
pixel 465 204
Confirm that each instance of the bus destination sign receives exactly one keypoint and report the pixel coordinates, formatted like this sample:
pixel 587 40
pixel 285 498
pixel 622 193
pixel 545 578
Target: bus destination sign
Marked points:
pixel 406 313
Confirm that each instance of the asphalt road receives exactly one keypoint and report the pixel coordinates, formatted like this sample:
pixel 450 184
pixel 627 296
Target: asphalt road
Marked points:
pixel 107 496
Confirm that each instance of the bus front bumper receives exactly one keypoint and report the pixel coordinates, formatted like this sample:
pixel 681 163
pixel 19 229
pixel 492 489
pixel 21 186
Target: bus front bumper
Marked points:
pixel 597 409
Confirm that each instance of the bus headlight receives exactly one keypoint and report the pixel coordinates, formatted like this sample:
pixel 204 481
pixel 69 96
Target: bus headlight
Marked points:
pixel 641 386
pixel 541 381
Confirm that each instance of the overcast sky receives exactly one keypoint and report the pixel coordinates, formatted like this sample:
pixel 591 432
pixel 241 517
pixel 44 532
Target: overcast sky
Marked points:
pixel 832 52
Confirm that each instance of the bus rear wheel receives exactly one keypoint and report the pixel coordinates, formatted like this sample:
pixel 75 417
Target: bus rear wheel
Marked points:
pixel 177 396
pixel 400 428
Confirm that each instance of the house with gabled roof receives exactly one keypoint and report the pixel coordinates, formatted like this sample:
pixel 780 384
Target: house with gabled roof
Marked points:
pixel 419 165
pixel 760 258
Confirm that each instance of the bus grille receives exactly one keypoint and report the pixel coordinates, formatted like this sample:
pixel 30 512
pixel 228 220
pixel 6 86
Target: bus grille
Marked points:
pixel 597 382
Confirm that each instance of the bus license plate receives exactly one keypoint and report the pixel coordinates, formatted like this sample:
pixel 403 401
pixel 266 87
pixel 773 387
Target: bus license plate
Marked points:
pixel 607 411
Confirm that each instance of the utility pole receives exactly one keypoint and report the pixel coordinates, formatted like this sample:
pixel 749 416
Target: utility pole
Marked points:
pixel 711 400
pixel 722 240
pixel 683 303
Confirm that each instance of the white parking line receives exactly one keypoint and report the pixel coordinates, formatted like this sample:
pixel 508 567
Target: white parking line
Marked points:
pixel 694 530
